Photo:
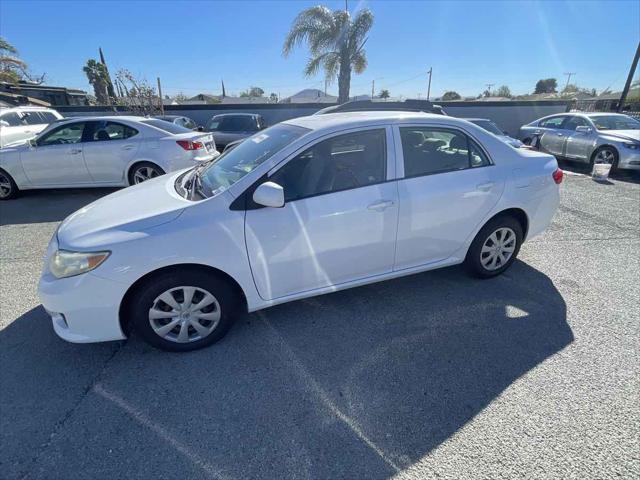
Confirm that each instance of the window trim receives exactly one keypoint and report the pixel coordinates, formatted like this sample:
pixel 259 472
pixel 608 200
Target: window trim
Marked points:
pixel 439 126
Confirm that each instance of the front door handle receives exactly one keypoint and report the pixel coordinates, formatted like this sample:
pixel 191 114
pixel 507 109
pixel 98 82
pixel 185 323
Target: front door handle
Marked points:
pixel 485 187
pixel 380 206
pixel 75 151
pixel 128 147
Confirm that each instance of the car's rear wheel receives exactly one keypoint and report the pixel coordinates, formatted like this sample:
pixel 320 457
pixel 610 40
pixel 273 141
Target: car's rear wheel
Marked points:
pixel 182 311
pixel 495 247
pixel 8 188
pixel 141 172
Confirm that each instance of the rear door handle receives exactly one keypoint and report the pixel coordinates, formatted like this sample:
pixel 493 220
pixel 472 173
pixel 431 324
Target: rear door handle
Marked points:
pixel 380 206
pixel 485 187
pixel 75 151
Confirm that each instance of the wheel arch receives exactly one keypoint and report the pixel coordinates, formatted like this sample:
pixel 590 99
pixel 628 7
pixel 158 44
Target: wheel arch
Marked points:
pixel 124 309
pixel 518 213
pixel 605 145
pixel 138 161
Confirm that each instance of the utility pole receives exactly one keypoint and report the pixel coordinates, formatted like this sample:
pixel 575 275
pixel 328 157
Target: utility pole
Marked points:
pixel 627 85
pixel 429 87
pixel 569 75
pixel 373 88
pixel 160 95
pixel 489 85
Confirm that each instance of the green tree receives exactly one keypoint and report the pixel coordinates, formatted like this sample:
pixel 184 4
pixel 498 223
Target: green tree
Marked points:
pixel 451 95
pixel 384 93
pixel 546 85
pixel 253 92
pixel 12 68
pixel 336 43
pixel 503 91
pixel 98 77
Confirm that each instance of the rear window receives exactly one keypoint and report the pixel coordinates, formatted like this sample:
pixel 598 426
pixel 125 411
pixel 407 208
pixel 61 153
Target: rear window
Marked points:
pixel 166 126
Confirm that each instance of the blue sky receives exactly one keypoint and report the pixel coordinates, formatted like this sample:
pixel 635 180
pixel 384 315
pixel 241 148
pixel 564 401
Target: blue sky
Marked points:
pixel 190 45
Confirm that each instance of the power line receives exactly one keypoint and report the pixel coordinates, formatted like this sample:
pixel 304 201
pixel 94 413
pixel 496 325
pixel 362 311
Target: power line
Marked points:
pixel 569 75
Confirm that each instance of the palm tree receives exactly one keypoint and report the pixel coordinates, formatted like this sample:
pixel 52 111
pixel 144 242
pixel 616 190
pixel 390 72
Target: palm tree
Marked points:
pixel 11 67
pixel 98 77
pixel 335 42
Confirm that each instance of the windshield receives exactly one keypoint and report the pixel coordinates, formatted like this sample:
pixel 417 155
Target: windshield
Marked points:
pixel 615 122
pixel 243 159
pixel 166 126
pixel 489 126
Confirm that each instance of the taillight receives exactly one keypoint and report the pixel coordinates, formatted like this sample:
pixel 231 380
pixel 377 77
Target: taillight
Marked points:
pixel 190 145
pixel 557 176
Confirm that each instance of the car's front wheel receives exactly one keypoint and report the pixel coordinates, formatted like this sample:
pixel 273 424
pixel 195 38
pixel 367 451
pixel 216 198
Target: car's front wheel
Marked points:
pixel 8 188
pixel 605 155
pixel 182 311
pixel 141 172
pixel 495 247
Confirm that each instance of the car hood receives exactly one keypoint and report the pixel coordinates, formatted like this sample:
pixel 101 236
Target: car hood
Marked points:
pixel 15 146
pixel 124 215
pixel 623 134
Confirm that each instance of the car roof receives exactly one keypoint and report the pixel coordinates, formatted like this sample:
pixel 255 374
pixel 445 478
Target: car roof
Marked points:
pixel 27 108
pixel 241 114
pixel 603 114
pixel 356 119
pixel 130 118
pixel 162 117
pixel 477 120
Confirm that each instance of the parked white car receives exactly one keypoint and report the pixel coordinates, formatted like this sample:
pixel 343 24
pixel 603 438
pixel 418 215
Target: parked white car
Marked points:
pixel 101 152
pixel 306 207
pixel 21 123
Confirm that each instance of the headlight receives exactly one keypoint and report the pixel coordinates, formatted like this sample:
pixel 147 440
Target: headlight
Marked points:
pixel 67 264
pixel 632 146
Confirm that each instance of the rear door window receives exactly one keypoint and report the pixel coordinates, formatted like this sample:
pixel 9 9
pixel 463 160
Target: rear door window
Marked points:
pixel 554 122
pixel 12 118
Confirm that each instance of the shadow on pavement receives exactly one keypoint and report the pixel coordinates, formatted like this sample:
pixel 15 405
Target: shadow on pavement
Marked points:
pixel 36 206
pixel 628 176
pixel 358 384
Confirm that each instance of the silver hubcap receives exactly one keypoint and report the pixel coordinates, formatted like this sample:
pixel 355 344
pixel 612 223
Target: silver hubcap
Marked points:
pixel 5 186
pixel 605 156
pixel 143 174
pixel 498 248
pixel 184 314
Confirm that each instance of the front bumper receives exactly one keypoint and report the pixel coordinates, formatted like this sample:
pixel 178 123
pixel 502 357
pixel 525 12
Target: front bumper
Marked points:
pixel 84 308
pixel 629 159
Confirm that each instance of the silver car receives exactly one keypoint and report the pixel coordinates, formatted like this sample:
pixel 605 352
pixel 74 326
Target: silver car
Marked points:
pixel 587 137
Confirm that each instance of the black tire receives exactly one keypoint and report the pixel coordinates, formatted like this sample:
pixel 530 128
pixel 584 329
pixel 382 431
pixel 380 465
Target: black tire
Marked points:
pixel 473 261
pixel 153 169
pixel 614 152
pixel 8 188
pixel 146 297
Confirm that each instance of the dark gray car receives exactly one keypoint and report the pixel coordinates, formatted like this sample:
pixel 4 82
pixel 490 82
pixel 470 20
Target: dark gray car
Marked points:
pixel 230 127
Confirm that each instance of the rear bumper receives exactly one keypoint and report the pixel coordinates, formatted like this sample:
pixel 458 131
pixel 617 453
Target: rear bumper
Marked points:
pixel 84 308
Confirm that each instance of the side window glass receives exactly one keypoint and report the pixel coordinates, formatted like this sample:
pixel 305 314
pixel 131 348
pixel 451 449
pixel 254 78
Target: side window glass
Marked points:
pixel 33 118
pixel 477 157
pixel 64 135
pixel 12 118
pixel 574 122
pixel 339 163
pixel 48 117
pixel 112 131
pixel 555 122
pixel 432 150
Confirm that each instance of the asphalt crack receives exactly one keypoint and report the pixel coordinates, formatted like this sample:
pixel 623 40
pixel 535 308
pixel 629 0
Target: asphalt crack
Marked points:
pixel 59 425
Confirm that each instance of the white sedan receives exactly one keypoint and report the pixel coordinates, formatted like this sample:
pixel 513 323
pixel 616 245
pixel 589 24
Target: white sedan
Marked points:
pixel 306 207
pixel 100 152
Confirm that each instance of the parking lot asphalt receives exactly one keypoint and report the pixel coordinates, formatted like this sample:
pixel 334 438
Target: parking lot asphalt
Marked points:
pixel 532 374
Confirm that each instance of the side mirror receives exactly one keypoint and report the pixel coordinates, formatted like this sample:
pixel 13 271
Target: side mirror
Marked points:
pixel 200 128
pixel 269 194
pixel 583 129
pixel 32 142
